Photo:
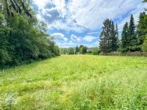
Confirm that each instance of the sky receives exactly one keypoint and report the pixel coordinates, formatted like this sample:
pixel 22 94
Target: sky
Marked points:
pixel 79 22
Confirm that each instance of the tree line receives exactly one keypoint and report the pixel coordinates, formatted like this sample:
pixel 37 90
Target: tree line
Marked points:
pixel 23 38
pixel 133 37
pixel 74 50
pixel 79 50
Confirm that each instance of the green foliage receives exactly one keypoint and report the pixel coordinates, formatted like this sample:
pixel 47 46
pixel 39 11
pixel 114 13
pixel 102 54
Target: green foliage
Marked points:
pixel 83 49
pixel 81 82
pixel 77 49
pixel 128 37
pixel 24 39
pixel 144 46
pixel 9 100
pixel 132 35
pixel 71 50
pixel 124 38
pixel 4 57
pixel 16 7
pixel 95 51
pixel 64 50
pixel 109 37
pixel 114 32
pixel 141 29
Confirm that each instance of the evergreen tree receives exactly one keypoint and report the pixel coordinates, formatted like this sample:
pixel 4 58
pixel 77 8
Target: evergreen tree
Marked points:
pixel 144 0
pixel 124 38
pixel 143 23
pixel 141 29
pixel 114 37
pixel 77 49
pixel 105 37
pixel 108 37
pixel 132 40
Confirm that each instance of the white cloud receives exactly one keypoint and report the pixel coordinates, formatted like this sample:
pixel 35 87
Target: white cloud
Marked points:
pixel 83 15
pixel 139 8
pixel 70 41
pixel 92 13
pixel 50 15
pixel 41 3
pixel 80 15
pixel 75 38
pixel 59 36
pixel 89 38
pixel 67 25
pixel 66 44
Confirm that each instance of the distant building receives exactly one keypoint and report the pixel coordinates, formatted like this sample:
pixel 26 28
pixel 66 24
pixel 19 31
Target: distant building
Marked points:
pixel 89 50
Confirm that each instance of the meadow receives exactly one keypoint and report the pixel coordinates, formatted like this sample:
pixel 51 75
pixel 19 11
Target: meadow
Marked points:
pixel 76 82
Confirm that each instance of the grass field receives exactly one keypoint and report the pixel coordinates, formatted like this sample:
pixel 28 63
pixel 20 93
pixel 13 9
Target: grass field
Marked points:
pixel 76 82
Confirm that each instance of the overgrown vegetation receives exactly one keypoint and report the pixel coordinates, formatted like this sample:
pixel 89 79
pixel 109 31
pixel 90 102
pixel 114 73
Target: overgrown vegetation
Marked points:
pixel 81 82
pixel 23 39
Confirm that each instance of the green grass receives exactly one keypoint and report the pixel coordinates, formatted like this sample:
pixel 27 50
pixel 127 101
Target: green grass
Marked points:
pixel 76 82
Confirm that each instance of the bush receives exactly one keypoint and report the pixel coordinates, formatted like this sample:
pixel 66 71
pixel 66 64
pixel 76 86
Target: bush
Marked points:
pixel 4 57
pixel 83 50
pixel 144 46
pixel 125 54
pixel 95 51
pixel 71 50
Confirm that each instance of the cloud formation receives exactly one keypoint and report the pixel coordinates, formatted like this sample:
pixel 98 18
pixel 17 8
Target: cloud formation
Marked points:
pixel 86 14
pixel 84 18
pixel 50 15
pixel 75 38
pixel 89 38
pixel 59 36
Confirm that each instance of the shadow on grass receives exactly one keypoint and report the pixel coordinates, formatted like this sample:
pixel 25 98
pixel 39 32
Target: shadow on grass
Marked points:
pixel 9 66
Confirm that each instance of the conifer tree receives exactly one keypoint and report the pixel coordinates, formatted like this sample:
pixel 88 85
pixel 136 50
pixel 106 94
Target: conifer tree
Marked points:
pixel 142 28
pixel 108 37
pixel 124 38
pixel 132 40
pixel 114 37
pixel 77 49
pixel 144 0
pixel 105 36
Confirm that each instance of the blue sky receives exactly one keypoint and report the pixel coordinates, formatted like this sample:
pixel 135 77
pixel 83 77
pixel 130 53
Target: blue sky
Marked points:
pixel 78 22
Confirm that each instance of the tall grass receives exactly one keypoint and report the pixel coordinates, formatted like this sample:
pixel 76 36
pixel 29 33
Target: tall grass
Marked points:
pixel 76 82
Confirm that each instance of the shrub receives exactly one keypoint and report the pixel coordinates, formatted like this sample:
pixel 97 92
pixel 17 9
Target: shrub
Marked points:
pixel 144 46
pixel 95 51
